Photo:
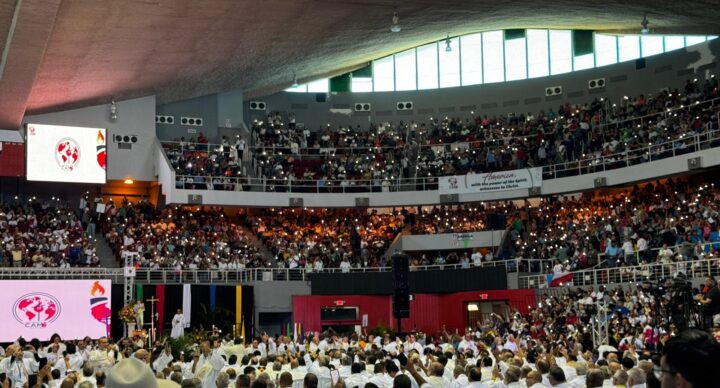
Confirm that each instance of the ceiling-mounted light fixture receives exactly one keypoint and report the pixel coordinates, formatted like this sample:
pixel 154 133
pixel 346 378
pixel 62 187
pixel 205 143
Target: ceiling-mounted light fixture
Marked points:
pixel 645 29
pixel 448 47
pixel 295 81
pixel 395 26
pixel 113 111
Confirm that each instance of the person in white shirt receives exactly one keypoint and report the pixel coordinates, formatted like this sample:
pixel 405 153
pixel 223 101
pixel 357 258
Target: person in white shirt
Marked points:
pixel 391 347
pixel 356 378
pixel 511 344
pixel 476 258
pixel 460 379
pixel 319 368
pixel 18 368
pixel 345 265
pixel 212 362
pixel 468 343
pixel 163 360
pixel 475 379
pixel 384 380
pixel 88 374
pixel 178 325
pixel 556 377
pixel 579 381
pixel 412 344
pixel 71 361
pixel 534 380
pixel 103 357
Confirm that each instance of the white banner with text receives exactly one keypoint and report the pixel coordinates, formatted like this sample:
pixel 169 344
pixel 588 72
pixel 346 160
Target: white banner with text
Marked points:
pixel 494 181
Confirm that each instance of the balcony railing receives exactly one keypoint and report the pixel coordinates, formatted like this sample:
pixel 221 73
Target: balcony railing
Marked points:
pixel 682 145
pixel 226 276
pixel 588 164
pixel 631 274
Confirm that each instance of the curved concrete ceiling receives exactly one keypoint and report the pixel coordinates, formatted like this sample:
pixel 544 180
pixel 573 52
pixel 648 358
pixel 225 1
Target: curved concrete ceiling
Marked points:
pixel 71 53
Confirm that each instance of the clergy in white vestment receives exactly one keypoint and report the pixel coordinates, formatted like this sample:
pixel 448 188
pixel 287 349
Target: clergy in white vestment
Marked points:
pixel 178 325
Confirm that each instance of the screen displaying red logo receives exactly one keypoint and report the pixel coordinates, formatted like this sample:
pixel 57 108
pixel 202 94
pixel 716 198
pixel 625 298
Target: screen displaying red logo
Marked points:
pixel 99 305
pixel 101 149
pixel 67 154
pixel 36 310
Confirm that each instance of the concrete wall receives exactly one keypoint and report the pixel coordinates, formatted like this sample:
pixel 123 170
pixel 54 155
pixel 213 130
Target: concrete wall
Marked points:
pixel 665 70
pixel 204 107
pixel 216 110
pixel 135 117
pixel 623 176
pixel 276 296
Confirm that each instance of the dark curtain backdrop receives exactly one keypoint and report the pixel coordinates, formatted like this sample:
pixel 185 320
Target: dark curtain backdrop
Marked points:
pixel 201 315
pixel 116 326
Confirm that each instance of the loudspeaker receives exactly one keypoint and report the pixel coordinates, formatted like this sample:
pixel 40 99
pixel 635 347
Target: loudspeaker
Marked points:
pixel 640 63
pixel 321 97
pixel 401 303
pixel 496 221
pixel 694 163
pixel 401 283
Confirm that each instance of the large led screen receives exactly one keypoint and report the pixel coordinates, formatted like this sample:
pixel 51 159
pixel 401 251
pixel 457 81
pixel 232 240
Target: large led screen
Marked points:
pixel 65 154
pixel 38 309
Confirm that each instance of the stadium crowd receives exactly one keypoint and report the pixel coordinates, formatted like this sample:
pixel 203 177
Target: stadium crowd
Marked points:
pixel 314 239
pixel 664 221
pixel 550 346
pixel 47 233
pixel 200 165
pixel 658 222
pixel 595 135
pixel 179 238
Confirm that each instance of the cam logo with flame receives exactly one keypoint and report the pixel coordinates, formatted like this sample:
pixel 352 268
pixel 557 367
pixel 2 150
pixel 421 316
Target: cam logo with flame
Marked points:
pixel 99 305
pixel 101 149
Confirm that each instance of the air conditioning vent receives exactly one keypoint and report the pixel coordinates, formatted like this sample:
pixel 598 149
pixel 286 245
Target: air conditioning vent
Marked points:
pixel 159 119
pixel 363 107
pixel 553 91
pixel 193 121
pixel 405 105
pixel 257 105
pixel 596 83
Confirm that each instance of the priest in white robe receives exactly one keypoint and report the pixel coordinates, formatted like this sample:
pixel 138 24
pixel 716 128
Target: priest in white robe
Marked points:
pixel 178 325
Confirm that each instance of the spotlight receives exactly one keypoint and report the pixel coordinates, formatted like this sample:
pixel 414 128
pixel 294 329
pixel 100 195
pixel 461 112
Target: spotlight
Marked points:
pixel 448 47
pixel 113 111
pixel 645 30
pixel 395 26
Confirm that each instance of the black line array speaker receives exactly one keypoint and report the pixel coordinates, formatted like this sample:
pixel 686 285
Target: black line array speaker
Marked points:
pixel 401 280
pixel 496 221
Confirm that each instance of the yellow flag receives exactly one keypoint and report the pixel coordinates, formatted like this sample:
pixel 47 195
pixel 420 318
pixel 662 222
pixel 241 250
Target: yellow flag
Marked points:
pixel 238 312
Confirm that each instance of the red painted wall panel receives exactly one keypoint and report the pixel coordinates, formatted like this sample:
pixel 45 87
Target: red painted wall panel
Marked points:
pixel 306 308
pixel 428 312
pixel 12 159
